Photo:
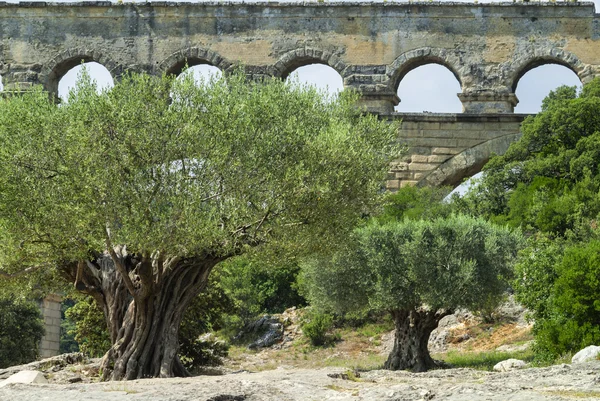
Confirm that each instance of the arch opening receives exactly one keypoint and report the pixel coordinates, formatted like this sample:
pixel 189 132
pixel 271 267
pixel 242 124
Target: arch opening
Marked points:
pixel 466 183
pixel 534 83
pixel 201 73
pixel 67 81
pixel 428 86
pixel 194 64
pixel 318 75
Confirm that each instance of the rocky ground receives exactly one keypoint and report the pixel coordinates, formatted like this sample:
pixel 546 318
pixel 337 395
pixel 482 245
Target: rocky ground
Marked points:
pixel 292 370
pixel 562 382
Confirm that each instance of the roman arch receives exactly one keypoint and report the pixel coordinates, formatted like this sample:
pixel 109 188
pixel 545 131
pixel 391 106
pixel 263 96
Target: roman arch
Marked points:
pixel 487 47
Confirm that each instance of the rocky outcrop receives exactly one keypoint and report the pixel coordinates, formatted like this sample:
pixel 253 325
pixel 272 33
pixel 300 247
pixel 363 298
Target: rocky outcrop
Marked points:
pixel 25 377
pixel 265 332
pixel 509 364
pixel 587 354
pixel 53 364
pixel 562 382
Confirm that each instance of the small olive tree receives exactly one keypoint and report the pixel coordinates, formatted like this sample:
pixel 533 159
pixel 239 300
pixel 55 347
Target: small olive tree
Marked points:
pixel 419 271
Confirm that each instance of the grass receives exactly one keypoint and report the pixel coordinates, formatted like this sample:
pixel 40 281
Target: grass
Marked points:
pixel 484 360
pixel 358 348
pixel 353 348
pixel 361 363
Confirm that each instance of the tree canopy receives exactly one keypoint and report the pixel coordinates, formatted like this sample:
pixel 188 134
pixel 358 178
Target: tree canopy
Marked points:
pixel 134 194
pixel 548 181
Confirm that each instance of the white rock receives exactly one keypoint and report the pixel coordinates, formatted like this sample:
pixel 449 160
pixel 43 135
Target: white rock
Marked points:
pixel 448 321
pixel 587 354
pixel 509 364
pixel 25 377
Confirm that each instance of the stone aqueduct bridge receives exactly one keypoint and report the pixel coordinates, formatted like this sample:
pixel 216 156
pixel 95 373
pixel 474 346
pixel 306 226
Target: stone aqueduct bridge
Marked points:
pixel 371 45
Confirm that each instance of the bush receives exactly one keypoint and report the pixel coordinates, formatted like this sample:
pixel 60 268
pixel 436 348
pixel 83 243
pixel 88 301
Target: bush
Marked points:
pixel 21 329
pixel 316 326
pixel 416 203
pixel 206 350
pixel 256 288
pixel 87 325
pixel 573 319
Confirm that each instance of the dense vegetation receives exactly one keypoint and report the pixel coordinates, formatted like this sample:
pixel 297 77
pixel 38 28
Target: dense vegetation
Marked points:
pixel 21 329
pixel 548 183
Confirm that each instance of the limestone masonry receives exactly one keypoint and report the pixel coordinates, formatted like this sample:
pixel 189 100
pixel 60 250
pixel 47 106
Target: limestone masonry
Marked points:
pixel 488 47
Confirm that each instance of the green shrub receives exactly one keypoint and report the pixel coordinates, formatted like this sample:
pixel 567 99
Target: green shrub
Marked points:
pixel 416 203
pixel 573 321
pixel 316 326
pixel 483 360
pixel 68 343
pixel 87 325
pixel 202 351
pixel 255 288
pixel 21 329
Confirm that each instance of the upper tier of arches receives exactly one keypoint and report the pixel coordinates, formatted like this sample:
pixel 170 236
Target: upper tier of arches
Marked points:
pixel 499 80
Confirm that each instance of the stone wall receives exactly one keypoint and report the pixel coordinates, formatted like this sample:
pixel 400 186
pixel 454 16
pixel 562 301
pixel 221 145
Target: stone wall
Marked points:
pixel 373 46
pixel 50 308
pixel 445 148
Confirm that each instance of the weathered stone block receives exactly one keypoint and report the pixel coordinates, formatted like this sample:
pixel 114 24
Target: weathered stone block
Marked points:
pixel 419 150
pixel 470 134
pixel 467 143
pixel 430 126
pixel 433 142
pixel 410 133
pixel 393 184
pixel 25 377
pixel 399 166
pixel 422 166
pixel 405 175
pixel 445 151
pixel 52 329
pixel 419 159
pixel 442 133
pixel 437 158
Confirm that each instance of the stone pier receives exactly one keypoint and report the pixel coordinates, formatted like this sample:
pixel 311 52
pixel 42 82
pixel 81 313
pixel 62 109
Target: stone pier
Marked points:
pixel 50 308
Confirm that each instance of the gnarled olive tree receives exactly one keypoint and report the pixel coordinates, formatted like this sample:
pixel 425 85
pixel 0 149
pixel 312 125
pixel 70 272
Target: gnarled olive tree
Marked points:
pixel 136 193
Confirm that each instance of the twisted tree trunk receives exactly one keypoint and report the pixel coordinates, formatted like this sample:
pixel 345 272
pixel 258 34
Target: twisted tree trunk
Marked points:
pixel 143 299
pixel 413 328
